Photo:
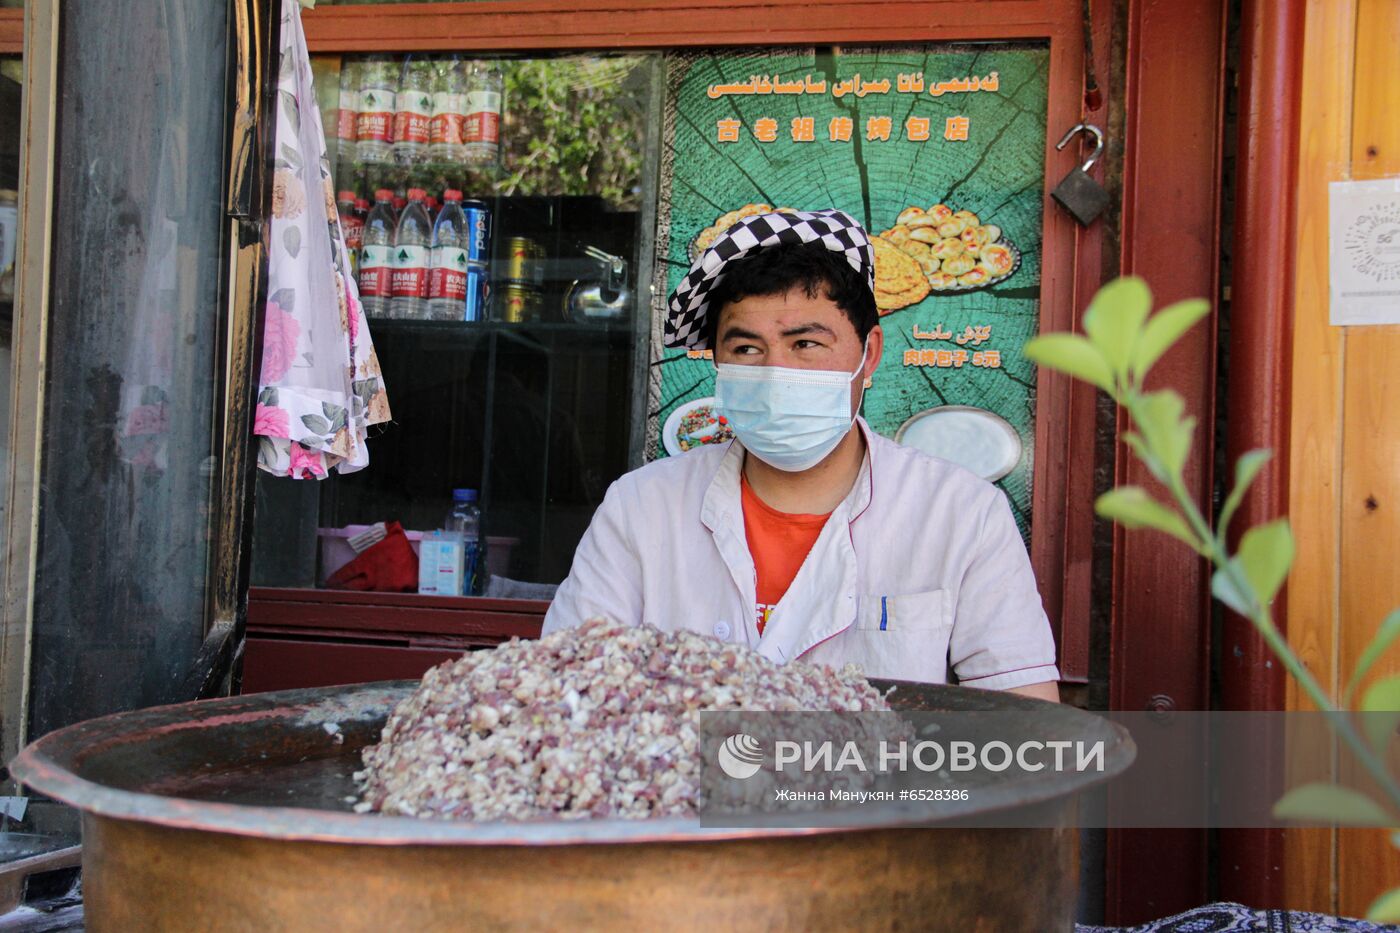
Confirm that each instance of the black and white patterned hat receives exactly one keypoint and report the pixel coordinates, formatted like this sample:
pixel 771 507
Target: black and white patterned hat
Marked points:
pixel 689 304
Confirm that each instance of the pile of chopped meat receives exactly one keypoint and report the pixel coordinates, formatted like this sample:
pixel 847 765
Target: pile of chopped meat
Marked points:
pixel 598 721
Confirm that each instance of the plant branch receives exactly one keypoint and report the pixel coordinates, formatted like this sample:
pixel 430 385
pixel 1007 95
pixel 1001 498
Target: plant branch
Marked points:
pixel 1262 620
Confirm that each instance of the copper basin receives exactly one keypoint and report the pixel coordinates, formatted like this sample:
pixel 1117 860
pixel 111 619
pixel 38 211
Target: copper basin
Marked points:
pixel 235 814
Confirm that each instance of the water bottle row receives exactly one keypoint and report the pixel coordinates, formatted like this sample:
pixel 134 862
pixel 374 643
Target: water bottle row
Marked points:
pixel 415 267
pixel 420 109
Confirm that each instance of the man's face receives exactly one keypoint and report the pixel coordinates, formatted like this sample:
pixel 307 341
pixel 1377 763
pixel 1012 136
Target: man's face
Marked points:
pixel 797 331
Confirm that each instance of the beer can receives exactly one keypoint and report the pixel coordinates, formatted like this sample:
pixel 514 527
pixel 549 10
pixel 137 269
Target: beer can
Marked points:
pixel 523 261
pixel 478 292
pixel 478 231
pixel 519 303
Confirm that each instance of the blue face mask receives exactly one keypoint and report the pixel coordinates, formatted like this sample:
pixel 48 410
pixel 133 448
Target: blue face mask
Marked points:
pixel 790 419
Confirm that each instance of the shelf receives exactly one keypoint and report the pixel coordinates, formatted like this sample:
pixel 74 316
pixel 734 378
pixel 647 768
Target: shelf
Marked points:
pixel 279 610
pixel 484 170
pixel 448 329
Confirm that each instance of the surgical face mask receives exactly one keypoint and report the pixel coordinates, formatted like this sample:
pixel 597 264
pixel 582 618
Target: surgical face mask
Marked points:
pixel 790 419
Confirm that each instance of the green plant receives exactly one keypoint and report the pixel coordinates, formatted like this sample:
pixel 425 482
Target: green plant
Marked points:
pixel 1122 340
pixel 575 126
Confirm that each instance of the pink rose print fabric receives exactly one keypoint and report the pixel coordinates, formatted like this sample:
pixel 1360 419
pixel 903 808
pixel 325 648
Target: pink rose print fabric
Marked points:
pixel 320 387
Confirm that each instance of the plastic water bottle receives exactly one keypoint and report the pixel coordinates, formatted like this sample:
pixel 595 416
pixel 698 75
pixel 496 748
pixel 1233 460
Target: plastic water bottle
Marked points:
pixel 482 129
pixel 377 256
pixel 464 521
pixel 449 112
pixel 415 110
pixel 348 113
pixel 447 275
pixel 374 124
pixel 409 286
pixel 352 226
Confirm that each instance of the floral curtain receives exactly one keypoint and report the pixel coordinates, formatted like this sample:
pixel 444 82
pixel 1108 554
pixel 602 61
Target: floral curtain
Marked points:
pixel 321 386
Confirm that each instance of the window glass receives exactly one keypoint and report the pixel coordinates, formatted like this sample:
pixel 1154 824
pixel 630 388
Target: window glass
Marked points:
pixel 133 329
pixel 501 218
pixel 11 83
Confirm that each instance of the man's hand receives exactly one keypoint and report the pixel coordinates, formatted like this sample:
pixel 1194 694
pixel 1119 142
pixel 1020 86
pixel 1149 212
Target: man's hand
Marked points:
pixel 1048 690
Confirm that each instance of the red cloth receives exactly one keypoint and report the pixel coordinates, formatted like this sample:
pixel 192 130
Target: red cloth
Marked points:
pixel 388 566
pixel 779 542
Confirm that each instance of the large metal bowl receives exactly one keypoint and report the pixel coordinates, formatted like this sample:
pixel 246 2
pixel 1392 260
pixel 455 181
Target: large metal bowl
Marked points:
pixel 235 814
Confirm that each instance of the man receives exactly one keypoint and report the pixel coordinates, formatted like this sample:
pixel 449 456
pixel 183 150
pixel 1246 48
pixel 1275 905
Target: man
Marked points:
pixel 809 536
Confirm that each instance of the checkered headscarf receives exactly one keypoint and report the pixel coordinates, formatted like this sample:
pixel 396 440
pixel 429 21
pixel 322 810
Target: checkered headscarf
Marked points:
pixel 690 302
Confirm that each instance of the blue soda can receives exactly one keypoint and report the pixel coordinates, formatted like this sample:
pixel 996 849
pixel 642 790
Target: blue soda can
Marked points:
pixel 478 231
pixel 478 292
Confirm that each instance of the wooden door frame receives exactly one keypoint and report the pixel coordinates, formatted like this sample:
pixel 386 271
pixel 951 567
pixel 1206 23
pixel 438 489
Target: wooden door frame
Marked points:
pixel 29 351
pixel 1173 102
pixel 1261 381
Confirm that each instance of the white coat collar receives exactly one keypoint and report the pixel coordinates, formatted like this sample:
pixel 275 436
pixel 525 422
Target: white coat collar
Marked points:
pixel 805 617
pixel 722 496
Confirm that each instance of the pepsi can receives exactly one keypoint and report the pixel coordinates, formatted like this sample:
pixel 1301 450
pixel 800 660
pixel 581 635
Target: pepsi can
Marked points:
pixel 478 292
pixel 478 244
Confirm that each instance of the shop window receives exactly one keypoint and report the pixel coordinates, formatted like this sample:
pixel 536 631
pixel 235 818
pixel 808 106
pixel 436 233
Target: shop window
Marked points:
pixel 519 379
pixel 547 380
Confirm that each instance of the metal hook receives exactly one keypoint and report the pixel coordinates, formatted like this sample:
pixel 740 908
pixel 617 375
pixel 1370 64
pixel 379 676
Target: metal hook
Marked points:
pixel 1098 142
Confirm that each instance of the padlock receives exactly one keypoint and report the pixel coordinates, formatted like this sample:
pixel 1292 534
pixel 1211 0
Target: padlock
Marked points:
pixel 1078 193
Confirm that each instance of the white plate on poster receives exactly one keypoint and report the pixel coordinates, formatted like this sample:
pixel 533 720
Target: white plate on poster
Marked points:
pixel 699 431
pixel 973 438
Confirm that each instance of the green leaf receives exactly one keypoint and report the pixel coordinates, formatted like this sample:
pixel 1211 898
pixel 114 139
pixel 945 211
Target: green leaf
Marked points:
pixel 1164 329
pixel 1265 554
pixel 1330 803
pixel 1072 354
pixel 1114 320
pixel 291 109
pixel 1164 431
pixel 1246 469
pixel 1385 637
pixel 1148 458
pixel 1386 908
pixel 316 423
pixel 1380 705
pixel 291 239
pixel 292 156
pixel 1223 588
pixel 1132 507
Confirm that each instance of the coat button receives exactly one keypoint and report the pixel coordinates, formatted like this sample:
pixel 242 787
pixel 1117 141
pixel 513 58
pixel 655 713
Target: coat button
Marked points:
pixel 722 630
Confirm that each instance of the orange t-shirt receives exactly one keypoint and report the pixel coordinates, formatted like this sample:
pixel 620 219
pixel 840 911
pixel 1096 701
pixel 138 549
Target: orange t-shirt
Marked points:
pixel 779 543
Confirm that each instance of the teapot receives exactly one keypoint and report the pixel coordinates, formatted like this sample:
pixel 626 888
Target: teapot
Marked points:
pixel 606 298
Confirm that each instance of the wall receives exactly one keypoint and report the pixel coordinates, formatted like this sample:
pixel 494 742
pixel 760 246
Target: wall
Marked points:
pixel 1345 484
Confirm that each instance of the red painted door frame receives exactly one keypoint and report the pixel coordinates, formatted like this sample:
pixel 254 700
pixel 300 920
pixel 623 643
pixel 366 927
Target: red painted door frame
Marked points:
pixel 1160 646
pixel 1261 352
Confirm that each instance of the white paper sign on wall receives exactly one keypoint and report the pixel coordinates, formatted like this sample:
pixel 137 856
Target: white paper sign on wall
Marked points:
pixel 1365 251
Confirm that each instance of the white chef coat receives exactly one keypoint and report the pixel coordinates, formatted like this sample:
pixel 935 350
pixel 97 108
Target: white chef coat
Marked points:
pixel 919 570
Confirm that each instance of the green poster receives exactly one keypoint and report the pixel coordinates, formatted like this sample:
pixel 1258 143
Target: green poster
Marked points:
pixel 939 151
